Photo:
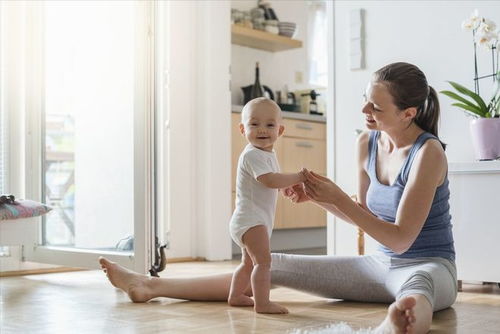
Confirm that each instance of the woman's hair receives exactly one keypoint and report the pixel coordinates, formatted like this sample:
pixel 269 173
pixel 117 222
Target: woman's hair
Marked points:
pixel 408 86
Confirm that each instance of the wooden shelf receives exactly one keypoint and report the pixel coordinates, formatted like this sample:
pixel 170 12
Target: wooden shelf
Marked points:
pixel 262 40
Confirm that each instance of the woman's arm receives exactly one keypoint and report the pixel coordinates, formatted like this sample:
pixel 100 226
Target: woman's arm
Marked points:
pixel 425 176
pixel 297 194
pixel 331 207
pixel 363 180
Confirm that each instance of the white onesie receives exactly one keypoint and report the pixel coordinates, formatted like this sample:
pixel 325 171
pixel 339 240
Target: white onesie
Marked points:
pixel 255 203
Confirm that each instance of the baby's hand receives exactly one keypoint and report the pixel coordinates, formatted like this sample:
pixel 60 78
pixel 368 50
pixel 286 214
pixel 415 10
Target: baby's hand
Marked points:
pixel 295 193
pixel 287 192
pixel 302 173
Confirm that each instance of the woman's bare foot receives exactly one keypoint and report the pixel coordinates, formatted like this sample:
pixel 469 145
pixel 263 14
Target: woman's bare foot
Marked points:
pixel 135 285
pixel 400 317
pixel 271 308
pixel 241 300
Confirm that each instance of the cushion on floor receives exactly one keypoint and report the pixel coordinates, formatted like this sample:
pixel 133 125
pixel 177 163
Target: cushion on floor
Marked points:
pixel 23 208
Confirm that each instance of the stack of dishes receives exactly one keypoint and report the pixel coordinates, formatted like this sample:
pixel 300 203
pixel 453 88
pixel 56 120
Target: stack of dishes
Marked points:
pixel 272 26
pixel 287 29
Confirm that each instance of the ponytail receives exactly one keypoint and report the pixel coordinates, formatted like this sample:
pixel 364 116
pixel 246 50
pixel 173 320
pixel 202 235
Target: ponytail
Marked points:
pixel 427 116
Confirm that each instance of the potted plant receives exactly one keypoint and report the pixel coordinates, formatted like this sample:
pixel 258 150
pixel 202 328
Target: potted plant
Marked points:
pixel 485 125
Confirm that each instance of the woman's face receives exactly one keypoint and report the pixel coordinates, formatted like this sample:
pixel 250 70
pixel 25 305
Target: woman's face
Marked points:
pixel 380 111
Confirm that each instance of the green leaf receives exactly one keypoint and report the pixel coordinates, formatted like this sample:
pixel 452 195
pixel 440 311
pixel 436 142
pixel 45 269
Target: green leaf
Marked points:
pixel 488 115
pixel 461 99
pixel 494 105
pixel 468 109
pixel 468 92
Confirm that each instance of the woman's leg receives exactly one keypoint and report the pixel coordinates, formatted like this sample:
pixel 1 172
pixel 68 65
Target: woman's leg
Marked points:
pixel 410 314
pixel 241 282
pixel 374 279
pixel 430 283
pixel 142 288
pixel 357 278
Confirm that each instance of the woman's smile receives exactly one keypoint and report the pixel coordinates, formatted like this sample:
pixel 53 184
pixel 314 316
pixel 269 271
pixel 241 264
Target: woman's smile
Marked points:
pixel 370 120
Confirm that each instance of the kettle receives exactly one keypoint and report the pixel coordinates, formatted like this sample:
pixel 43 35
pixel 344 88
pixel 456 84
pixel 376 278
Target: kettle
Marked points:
pixel 248 89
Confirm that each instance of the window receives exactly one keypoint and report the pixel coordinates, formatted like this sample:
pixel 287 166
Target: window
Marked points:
pixel 3 117
pixel 317 45
pixel 88 102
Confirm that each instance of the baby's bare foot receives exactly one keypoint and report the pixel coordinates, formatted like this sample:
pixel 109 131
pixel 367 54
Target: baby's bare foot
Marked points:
pixel 400 317
pixel 135 285
pixel 271 308
pixel 241 300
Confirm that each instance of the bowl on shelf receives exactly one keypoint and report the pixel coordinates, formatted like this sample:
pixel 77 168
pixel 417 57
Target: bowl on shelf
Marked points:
pixel 287 29
pixel 272 29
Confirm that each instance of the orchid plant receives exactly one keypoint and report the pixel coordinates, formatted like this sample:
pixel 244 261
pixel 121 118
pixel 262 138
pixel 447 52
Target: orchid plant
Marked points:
pixel 484 34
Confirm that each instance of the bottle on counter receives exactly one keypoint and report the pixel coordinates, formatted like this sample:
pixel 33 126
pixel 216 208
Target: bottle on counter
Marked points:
pixel 313 105
pixel 257 90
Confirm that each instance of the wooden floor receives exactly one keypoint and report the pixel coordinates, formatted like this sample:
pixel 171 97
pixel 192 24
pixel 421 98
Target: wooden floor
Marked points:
pixel 85 302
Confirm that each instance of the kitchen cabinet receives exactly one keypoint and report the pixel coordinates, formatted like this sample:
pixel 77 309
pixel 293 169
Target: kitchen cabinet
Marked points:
pixel 262 40
pixel 302 145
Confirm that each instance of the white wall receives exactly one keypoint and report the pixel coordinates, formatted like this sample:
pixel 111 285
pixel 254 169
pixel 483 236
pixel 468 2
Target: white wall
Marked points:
pixel 276 68
pixel 425 33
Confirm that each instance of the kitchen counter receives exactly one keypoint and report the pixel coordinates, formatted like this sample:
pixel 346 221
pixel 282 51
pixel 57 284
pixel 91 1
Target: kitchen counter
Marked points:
pixel 291 115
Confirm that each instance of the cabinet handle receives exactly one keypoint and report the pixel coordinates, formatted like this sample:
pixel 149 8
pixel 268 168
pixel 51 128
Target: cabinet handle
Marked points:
pixel 304 144
pixel 303 126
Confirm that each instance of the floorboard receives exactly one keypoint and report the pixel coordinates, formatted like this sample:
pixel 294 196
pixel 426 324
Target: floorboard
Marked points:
pixel 85 302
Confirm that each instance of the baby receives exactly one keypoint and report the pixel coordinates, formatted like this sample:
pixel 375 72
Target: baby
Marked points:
pixel 257 181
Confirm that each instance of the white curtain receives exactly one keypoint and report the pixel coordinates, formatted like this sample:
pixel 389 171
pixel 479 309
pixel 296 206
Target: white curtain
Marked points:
pixel 317 44
pixel 18 81
pixel 3 115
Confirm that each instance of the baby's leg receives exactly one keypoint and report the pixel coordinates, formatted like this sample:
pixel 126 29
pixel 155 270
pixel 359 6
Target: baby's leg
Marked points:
pixel 241 281
pixel 256 241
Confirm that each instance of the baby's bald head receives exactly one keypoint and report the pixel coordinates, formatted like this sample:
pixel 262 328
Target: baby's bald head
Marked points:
pixel 261 104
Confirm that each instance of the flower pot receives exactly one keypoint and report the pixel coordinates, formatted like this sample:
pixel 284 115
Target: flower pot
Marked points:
pixel 486 138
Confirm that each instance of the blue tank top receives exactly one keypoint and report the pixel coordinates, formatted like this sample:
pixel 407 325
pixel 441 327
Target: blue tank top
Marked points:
pixel 435 238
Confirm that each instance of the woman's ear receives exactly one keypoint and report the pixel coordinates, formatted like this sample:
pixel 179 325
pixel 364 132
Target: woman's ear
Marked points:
pixel 410 113
pixel 281 130
pixel 242 129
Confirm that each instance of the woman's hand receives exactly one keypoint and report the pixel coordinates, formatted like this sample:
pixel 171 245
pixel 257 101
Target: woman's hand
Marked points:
pixel 295 193
pixel 321 189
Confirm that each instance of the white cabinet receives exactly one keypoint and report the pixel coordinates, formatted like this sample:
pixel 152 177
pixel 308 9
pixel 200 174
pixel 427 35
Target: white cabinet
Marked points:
pixel 475 202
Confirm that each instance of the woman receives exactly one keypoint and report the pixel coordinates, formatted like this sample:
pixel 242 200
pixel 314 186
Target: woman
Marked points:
pixel 403 204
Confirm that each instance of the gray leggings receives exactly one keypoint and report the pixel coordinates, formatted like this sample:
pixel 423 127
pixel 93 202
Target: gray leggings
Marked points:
pixel 372 278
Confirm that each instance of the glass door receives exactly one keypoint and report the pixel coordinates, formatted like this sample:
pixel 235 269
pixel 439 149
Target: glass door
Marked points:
pixel 97 133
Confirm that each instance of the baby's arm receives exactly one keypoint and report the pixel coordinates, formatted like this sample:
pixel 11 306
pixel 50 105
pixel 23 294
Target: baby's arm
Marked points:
pixel 281 180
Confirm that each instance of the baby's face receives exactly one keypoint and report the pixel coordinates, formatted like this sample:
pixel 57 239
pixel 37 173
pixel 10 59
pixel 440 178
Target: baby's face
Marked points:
pixel 262 126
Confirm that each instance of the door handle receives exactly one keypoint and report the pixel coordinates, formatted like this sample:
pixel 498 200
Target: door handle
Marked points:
pixel 303 126
pixel 304 144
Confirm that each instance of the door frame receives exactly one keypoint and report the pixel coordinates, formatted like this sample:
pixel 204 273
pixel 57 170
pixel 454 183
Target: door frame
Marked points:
pixel 141 258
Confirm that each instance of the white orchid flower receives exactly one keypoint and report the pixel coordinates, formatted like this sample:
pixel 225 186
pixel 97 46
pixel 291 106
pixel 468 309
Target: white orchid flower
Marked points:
pixel 472 22
pixel 467 24
pixel 487 26
pixel 486 39
pixel 475 18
